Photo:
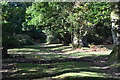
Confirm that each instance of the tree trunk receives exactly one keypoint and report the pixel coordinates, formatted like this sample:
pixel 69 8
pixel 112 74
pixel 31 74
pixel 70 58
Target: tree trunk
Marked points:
pixel 115 16
pixel 113 34
pixel 76 39
pixel 66 38
pixel 4 53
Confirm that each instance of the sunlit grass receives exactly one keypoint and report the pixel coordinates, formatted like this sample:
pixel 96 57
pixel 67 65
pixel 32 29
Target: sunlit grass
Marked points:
pixel 80 74
pixel 56 69
pixel 48 52
pixel 85 54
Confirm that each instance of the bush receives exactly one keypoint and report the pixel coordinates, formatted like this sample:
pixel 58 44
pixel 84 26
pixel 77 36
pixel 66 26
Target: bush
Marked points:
pixel 52 38
pixel 9 42
pixel 100 34
pixel 18 40
pixel 23 39
pixel 37 35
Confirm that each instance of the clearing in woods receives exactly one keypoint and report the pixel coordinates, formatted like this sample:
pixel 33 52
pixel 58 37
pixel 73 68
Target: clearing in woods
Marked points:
pixel 55 61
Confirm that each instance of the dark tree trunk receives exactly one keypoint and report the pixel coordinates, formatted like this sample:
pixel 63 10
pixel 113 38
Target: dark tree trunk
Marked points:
pixel 67 39
pixel 4 53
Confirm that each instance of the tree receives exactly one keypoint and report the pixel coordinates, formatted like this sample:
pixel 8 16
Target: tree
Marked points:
pixel 115 18
pixel 13 15
pixel 84 15
pixel 75 18
pixel 52 17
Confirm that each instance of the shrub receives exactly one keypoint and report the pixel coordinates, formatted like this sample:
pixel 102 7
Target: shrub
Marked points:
pixel 23 39
pixel 52 38
pixel 37 35
pixel 9 42
pixel 16 41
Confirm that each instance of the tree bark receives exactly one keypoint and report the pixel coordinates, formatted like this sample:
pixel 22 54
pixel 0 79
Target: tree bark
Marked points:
pixel 75 42
pixel 4 53
pixel 66 38
pixel 115 18
pixel 78 39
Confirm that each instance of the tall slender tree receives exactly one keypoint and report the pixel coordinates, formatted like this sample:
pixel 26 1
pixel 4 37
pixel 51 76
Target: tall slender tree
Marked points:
pixel 115 18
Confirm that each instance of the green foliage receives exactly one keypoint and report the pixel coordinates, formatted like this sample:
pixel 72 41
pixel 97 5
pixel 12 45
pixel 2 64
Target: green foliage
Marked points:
pixel 23 39
pixel 13 15
pixel 98 11
pixel 50 15
pixel 9 42
pixel 57 18
pixel 16 40
pixel 69 16
pixel 52 37
pixel 37 35
pixel 100 34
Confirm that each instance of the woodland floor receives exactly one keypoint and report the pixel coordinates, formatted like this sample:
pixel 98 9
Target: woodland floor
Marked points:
pixel 58 62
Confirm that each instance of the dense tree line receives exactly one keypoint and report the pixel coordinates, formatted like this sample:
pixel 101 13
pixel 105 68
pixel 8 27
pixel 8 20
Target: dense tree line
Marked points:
pixel 79 23
pixel 82 21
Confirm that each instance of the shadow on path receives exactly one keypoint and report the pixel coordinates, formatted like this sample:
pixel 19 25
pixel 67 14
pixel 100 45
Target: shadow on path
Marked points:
pixel 32 68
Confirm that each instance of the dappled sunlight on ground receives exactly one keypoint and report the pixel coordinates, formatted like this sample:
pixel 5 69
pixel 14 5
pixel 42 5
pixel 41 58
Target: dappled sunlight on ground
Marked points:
pixel 80 74
pixel 56 61
pixel 59 49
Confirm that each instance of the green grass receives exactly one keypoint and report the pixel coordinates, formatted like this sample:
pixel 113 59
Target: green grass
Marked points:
pixel 85 54
pixel 55 70
pixel 61 65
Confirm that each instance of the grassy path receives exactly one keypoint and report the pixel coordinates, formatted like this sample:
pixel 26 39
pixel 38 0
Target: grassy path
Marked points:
pixel 55 61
